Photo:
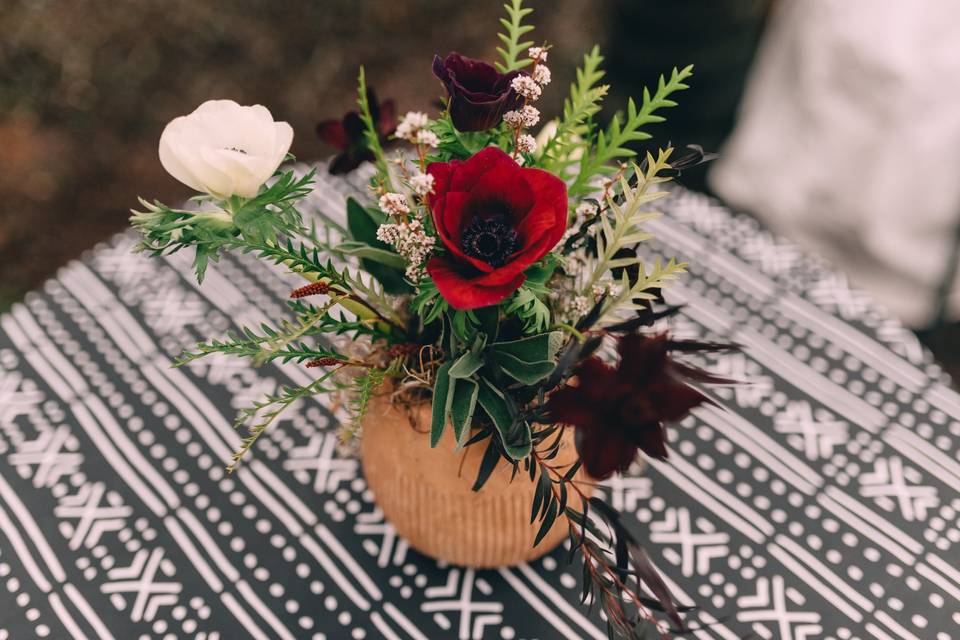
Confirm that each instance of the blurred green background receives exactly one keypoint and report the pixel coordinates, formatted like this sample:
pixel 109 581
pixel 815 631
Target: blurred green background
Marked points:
pixel 87 86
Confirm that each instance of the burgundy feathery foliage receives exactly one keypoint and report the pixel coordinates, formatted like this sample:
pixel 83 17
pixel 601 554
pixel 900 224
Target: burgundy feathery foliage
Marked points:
pixel 617 410
pixel 347 134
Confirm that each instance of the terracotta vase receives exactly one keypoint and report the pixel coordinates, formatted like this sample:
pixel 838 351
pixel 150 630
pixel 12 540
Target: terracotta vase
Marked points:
pixel 426 493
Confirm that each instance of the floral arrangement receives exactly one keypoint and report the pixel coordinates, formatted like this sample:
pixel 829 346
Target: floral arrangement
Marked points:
pixel 496 278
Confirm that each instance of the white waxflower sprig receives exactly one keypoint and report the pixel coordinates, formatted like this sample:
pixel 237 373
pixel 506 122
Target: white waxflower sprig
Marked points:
pixel 586 210
pixel 411 124
pixel 408 235
pixel 527 87
pixel 414 127
pixel 411 241
pixel 526 143
pixel 394 204
pixel 525 117
pixel 530 87
pixel 422 184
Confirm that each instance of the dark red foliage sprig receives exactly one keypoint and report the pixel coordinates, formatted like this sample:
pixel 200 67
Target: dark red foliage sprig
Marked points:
pixel 619 409
pixel 347 134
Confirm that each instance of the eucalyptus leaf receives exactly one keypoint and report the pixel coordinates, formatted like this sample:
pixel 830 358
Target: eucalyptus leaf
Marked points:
pixel 464 403
pixel 375 254
pixel 517 442
pixel 441 403
pixel 526 372
pixel 391 279
pixel 533 349
pixel 363 223
pixel 466 365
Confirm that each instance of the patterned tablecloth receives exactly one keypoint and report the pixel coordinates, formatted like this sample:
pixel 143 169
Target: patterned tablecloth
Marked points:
pixel 823 503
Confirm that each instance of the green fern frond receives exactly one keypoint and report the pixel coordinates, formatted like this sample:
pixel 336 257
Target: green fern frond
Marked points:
pixel 256 345
pixel 622 227
pixel 373 294
pixel 299 258
pixel 531 309
pixel 283 344
pixel 512 50
pixel 370 132
pixel 584 101
pixel 362 390
pixel 264 412
pixel 611 143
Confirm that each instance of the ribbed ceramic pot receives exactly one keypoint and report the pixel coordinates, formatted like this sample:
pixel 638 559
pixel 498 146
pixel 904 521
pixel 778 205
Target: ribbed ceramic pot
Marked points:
pixel 426 493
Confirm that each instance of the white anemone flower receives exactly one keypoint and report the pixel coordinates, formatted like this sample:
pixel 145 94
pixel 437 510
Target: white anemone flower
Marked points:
pixel 225 149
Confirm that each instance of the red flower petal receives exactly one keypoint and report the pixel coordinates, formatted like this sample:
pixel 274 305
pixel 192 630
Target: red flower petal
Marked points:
pixel 353 126
pixel 643 358
pixel 387 122
pixel 675 399
pixel 487 184
pixel 448 215
pixel 549 216
pixel 441 172
pixel 333 133
pixel 503 189
pixel 467 173
pixel 462 292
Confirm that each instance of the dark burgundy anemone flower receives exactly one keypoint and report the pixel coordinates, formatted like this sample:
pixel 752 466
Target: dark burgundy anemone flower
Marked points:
pixel 617 410
pixel 495 219
pixel 346 135
pixel 479 95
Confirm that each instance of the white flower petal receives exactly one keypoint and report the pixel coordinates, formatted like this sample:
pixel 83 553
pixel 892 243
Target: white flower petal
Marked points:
pixel 283 138
pixel 224 148
pixel 171 153
pixel 248 172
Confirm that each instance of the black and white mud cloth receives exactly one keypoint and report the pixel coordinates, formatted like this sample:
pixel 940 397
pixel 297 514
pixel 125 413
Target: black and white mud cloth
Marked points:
pixel 823 503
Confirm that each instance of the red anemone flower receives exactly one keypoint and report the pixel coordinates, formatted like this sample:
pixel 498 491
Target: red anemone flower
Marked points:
pixel 617 410
pixel 495 219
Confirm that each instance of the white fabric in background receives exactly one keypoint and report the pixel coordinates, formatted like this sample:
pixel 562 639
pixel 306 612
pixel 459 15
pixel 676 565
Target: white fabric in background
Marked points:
pixel 849 141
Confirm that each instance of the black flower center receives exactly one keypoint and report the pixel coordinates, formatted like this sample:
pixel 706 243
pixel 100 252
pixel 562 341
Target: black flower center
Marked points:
pixel 489 239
